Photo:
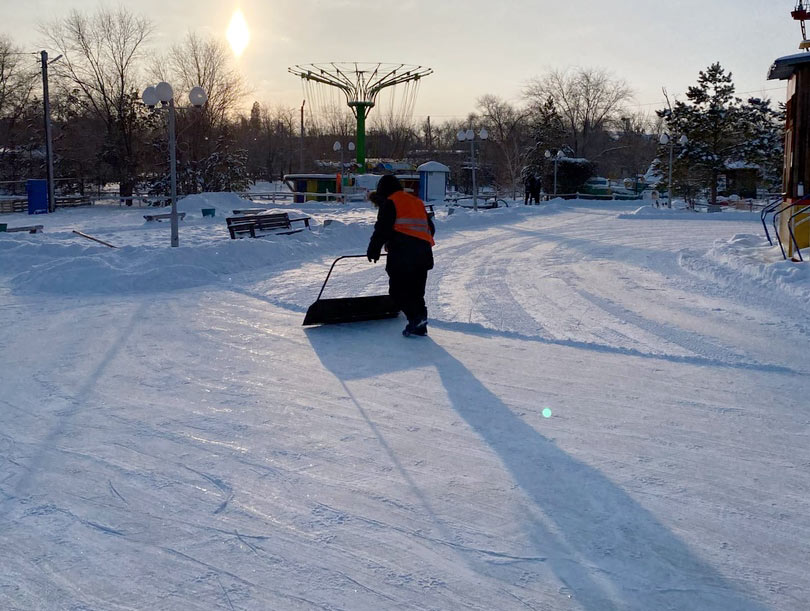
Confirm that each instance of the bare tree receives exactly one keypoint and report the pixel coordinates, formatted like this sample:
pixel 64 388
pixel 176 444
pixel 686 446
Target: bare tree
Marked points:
pixel 285 119
pixel 101 55
pixel 630 149
pixel 589 100
pixel 205 62
pixel 18 76
pixel 507 131
pixel 202 61
pixel 269 137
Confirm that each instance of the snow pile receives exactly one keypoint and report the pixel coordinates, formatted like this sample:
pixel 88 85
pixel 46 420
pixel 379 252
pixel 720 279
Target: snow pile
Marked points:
pixel 649 212
pixel 61 266
pixel 223 203
pixel 747 257
pixel 264 186
pixel 57 262
pixel 454 218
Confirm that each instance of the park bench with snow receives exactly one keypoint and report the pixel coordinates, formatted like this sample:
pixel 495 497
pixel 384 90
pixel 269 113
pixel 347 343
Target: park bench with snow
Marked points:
pixel 160 217
pixel 28 228
pixel 279 223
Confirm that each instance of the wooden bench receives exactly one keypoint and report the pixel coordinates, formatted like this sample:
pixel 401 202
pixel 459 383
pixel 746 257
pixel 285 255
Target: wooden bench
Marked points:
pixel 279 223
pixel 13 204
pixel 29 229
pixel 160 217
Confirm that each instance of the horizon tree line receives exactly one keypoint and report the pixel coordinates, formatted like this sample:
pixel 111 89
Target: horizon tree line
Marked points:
pixel 104 135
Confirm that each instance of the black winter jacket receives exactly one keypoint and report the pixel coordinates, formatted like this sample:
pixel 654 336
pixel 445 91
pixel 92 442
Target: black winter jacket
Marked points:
pixel 405 252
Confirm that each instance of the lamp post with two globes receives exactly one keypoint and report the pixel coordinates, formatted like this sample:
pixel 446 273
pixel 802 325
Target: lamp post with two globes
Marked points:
pixel 164 94
pixel 337 146
pixel 483 134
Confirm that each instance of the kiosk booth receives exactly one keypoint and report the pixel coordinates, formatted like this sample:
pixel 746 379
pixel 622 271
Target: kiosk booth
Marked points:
pixel 432 181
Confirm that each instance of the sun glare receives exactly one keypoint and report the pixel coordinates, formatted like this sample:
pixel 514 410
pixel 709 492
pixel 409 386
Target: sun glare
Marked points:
pixel 238 34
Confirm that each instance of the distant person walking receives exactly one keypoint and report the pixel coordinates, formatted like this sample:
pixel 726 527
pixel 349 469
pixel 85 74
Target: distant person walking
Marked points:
pixel 406 231
pixel 536 187
pixel 529 183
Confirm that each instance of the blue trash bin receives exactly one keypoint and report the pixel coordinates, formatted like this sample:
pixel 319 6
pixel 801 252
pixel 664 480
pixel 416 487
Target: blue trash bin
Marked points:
pixel 37 196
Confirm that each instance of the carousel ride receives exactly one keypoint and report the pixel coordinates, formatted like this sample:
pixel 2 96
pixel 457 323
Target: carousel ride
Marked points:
pixel 359 85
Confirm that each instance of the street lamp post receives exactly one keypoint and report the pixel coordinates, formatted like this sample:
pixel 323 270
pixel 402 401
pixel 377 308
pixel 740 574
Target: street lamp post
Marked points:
pixel 46 101
pixel 483 134
pixel 337 146
pixel 556 158
pixel 664 140
pixel 163 93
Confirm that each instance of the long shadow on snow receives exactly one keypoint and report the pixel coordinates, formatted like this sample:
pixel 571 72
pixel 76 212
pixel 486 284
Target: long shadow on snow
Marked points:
pixel 611 552
pixel 44 454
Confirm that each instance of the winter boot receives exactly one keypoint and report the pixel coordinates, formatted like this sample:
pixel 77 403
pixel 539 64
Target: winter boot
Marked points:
pixel 418 328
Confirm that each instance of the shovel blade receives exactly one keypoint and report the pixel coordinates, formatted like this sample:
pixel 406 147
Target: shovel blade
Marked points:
pixel 350 309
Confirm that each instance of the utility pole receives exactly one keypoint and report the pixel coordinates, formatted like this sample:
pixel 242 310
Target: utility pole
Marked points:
pixel 48 137
pixel 474 185
pixel 175 239
pixel 301 145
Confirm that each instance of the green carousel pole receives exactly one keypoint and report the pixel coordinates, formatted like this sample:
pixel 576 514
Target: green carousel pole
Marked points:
pixel 361 110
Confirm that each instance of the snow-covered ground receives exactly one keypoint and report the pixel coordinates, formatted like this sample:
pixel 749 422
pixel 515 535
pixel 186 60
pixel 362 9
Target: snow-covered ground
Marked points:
pixel 610 413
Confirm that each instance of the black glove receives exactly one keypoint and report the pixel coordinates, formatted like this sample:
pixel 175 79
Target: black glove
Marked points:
pixel 373 257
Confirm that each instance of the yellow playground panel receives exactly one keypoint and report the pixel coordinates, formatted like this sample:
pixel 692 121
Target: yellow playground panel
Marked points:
pixel 800 224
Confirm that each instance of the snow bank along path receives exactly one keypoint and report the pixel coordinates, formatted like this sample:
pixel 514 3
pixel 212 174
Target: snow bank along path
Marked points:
pixel 172 438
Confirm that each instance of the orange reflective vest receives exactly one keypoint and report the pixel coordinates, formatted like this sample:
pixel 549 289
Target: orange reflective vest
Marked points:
pixel 412 217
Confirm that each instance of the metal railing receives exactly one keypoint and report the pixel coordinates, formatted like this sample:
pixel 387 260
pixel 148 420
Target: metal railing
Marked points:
pixel 770 209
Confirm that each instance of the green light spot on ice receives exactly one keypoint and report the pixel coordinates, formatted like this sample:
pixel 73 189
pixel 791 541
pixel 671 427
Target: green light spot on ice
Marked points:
pixel 547 413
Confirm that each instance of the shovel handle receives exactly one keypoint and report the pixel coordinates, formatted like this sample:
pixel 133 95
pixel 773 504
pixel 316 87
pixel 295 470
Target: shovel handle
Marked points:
pixel 333 267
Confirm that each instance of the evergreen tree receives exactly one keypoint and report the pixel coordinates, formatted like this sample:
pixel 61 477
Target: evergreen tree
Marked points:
pixel 721 129
pixel 225 169
pixel 711 121
pixel 547 133
pixel 764 141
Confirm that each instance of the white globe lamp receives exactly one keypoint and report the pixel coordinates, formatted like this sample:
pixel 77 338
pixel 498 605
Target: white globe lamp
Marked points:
pixel 164 92
pixel 197 96
pixel 150 97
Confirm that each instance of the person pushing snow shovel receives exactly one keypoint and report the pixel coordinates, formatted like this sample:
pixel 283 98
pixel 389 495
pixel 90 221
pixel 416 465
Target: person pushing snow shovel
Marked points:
pixel 405 229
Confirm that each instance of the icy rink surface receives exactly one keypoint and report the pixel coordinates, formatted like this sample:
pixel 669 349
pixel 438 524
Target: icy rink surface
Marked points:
pixel 610 413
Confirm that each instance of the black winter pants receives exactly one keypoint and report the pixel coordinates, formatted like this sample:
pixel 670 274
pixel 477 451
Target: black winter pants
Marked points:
pixel 407 288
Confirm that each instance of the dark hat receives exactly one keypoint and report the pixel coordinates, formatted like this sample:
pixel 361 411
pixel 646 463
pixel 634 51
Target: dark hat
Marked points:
pixel 387 185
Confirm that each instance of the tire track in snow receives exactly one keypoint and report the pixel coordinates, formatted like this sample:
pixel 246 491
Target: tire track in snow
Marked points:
pixel 669 334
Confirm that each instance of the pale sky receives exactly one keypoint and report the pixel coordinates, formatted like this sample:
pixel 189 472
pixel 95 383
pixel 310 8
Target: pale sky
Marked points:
pixel 474 47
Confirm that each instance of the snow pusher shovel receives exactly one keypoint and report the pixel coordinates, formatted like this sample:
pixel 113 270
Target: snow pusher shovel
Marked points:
pixel 349 309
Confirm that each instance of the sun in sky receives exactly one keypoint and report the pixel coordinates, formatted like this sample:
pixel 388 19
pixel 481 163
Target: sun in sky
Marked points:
pixel 238 34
